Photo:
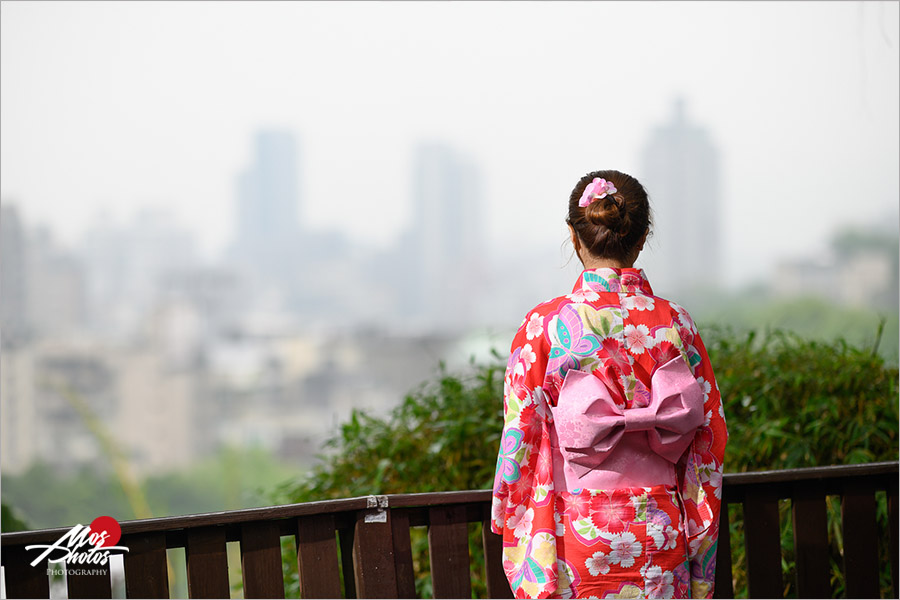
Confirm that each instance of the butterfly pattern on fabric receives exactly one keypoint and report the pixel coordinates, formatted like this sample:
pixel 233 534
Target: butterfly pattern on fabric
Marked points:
pixel 570 343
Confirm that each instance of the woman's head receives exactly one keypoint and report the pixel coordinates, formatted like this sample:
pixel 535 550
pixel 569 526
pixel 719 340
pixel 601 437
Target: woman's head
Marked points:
pixel 614 226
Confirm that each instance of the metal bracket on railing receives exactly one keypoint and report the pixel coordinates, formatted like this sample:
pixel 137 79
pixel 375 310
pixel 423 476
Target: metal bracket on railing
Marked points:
pixel 376 512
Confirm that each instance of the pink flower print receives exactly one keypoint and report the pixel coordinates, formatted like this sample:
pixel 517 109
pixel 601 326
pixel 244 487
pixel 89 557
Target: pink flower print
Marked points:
pixel 613 354
pixel 624 548
pixel 552 384
pixel 658 583
pixel 583 295
pixel 527 357
pixel 715 481
pixel 515 380
pixel 543 468
pixel 497 513
pixel 535 326
pixel 637 338
pixel 706 388
pixel 638 302
pixel 702 443
pixel 577 506
pixel 523 518
pixel 612 512
pixel 631 281
pixel 684 319
pixel 663 352
pixel 598 564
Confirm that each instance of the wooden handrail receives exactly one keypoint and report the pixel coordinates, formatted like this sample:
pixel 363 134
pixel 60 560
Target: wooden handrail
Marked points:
pixel 373 534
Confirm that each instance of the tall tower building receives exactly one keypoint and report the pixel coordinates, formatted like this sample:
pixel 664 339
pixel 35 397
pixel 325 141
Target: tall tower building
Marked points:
pixel 446 237
pixel 268 204
pixel 680 170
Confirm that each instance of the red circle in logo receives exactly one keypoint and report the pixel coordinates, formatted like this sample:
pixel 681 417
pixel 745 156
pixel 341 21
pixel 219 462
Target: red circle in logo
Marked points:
pixel 110 526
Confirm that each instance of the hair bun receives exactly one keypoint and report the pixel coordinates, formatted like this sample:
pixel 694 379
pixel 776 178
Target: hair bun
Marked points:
pixel 610 213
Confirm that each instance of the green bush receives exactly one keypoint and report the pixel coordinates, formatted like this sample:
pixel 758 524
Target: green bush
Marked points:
pixel 789 402
pixel 792 402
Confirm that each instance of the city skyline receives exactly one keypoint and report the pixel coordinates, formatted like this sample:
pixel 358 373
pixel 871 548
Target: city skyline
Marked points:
pixel 174 125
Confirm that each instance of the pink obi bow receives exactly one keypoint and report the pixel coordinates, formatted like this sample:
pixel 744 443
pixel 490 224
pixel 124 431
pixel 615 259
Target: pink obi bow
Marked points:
pixel 589 425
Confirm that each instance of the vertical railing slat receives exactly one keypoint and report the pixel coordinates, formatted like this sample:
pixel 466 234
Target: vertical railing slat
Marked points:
pixel 95 585
pixel 346 536
pixel 261 560
pixel 403 560
pixel 811 550
pixel 895 543
pixel 146 568
pixel 23 580
pixel 763 543
pixel 497 583
pixel 860 532
pixel 724 587
pixel 373 554
pixel 207 563
pixel 448 549
pixel 317 558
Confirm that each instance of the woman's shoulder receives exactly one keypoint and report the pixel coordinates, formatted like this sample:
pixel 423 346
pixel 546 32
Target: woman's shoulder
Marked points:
pixel 534 320
pixel 548 306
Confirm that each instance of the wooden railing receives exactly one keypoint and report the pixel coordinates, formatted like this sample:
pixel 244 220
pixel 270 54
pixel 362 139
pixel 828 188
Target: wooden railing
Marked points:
pixel 360 547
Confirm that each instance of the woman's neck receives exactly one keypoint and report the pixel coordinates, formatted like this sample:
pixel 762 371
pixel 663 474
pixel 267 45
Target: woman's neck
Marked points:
pixel 592 262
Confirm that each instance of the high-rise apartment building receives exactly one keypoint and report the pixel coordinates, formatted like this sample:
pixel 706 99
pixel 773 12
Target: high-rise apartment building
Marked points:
pixel 680 170
pixel 268 227
pixel 445 244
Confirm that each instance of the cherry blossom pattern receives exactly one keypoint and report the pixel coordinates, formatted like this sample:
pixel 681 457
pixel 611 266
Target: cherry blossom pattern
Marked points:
pixel 597 564
pixel 584 295
pixel 535 326
pixel 657 582
pixel 521 521
pixel 638 302
pixel 637 338
pixel 624 548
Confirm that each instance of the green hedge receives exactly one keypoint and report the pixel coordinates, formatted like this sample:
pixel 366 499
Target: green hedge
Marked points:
pixel 789 402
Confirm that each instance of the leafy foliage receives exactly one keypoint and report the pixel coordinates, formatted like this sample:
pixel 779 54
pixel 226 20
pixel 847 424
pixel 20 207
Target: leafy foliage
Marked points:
pixel 789 401
pixel 444 436
pixel 792 402
pixel 10 521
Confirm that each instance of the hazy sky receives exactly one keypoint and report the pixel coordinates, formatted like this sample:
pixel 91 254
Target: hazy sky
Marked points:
pixel 107 107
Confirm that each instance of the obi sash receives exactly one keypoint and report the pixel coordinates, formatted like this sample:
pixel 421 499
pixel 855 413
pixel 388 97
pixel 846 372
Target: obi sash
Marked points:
pixel 598 445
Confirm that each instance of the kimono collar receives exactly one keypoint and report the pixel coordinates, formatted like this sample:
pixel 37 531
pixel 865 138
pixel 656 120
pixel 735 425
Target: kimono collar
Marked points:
pixel 606 279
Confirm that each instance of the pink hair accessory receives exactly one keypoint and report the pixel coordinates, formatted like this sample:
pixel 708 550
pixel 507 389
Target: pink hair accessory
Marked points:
pixel 595 190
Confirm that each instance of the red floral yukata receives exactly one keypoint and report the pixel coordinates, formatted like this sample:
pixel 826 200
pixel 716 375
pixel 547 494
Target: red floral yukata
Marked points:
pixel 622 542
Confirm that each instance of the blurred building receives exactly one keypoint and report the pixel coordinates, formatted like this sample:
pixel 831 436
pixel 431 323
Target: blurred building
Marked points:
pixel 56 288
pixel 443 258
pixel 268 230
pixel 861 269
pixel 60 401
pixel 42 284
pixel 680 170
pixel 126 265
pixel 13 285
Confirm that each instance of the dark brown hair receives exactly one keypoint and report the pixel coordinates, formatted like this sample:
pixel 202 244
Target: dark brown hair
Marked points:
pixel 611 227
